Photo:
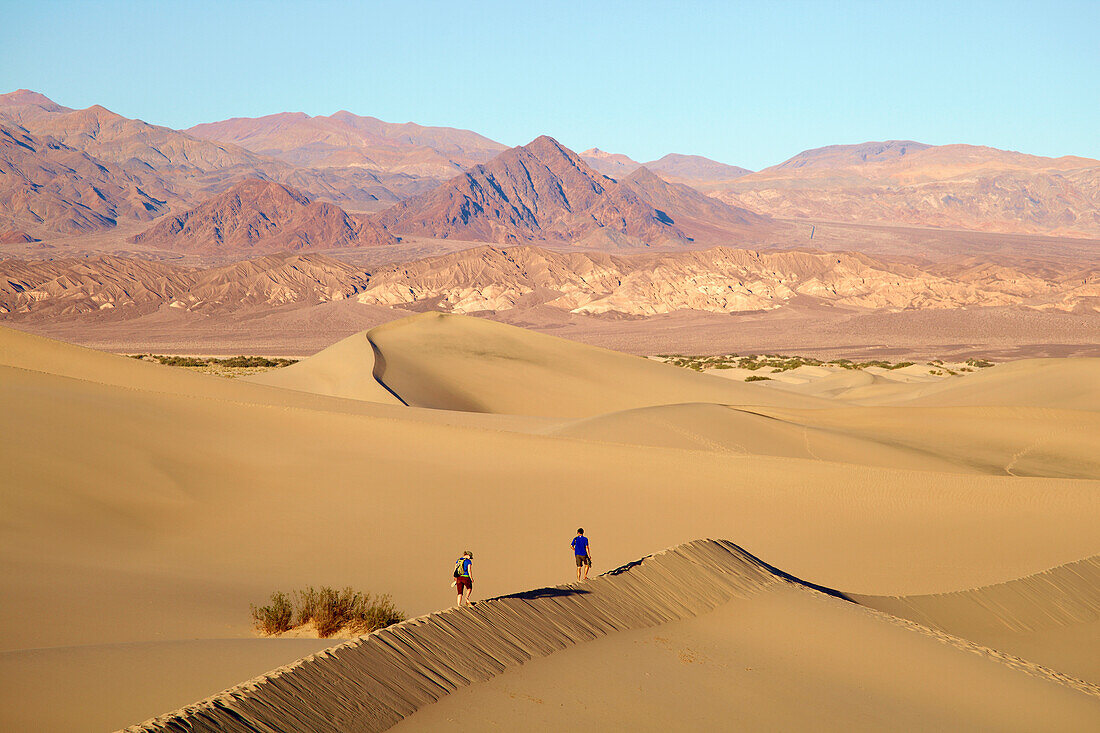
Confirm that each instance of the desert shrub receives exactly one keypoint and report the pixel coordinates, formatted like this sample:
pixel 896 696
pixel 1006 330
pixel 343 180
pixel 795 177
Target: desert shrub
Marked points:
pixel 330 611
pixel 334 609
pixel 237 362
pixel 979 363
pixel 376 613
pixel 181 361
pixel 252 362
pixel 757 378
pixel 900 365
pixel 275 617
pixel 307 605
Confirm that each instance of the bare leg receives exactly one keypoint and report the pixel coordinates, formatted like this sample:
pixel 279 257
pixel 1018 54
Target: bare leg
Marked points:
pixel 586 566
pixel 578 573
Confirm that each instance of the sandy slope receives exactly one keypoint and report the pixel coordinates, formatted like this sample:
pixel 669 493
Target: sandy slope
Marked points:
pixel 783 660
pixel 460 363
pixel 345 369
pixel 1052 617
pixel 707 605
pixel 1061 383
pixel 110 686
pixel 143 503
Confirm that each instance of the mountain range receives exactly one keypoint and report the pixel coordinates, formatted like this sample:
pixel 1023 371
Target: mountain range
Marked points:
pixel 544 191
pixel 346 140
pixel 76 172
pixel 947 186
pixel 694 170
pixel 263 215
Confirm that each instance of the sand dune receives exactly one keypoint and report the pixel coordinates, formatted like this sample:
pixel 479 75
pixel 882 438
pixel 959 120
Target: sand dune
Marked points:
pixel 1072 384
pixel 345 369
pixel 708 601
pixel 166 502
pixel 1052 617
pixel 745 432
pixel 1015 441
pixel 460 363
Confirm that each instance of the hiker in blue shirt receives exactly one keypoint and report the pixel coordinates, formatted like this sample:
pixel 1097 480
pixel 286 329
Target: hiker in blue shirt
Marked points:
pixel 464 578
pixel 580 549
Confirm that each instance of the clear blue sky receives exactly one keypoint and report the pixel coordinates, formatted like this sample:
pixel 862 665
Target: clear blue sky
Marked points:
pixel 746 83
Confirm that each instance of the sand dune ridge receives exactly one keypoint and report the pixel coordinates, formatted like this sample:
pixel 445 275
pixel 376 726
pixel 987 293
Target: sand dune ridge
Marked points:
pixel 373 682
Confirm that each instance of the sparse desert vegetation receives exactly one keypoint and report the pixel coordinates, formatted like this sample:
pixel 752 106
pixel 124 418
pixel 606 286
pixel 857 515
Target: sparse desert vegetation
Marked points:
pixel 780 363
pixel 330 611
pixel 234 366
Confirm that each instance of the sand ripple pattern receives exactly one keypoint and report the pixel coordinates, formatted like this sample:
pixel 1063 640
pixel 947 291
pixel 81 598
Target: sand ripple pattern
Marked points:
pixel 373 682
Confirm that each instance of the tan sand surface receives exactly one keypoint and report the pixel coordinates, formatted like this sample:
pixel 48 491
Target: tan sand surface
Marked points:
pixel 709 609
pixel 1015 441
pixel 781 660
pixel 754 432
pixel 345 369
pixel 144 503
pixel 460 363
pixel 110 686
pixel 1072 384
pixel 1052 617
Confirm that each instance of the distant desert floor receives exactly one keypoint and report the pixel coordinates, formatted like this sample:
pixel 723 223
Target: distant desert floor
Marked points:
pixel 913 536
pixel 993 332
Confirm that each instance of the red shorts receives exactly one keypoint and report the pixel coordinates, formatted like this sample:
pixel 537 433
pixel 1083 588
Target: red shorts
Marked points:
pixel 463 580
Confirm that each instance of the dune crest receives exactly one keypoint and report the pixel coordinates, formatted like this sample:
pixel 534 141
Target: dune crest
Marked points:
pixel 456 362
pixel 377 680
pixel 345 369
pixel 1052 617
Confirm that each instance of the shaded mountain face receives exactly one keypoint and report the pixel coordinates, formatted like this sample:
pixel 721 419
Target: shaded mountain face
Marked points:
pixel 15 236
pixel 348 140
pixel 496 279
pixel 261 215
pixel 46 185
pixel 702 217
pixel 540 191
pixel 949 186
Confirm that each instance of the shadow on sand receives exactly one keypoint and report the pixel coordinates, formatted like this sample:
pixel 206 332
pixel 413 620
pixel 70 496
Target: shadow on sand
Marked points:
pixel 530 595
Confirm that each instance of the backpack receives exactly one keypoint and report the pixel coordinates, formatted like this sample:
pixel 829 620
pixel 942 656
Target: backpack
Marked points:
pixel 459 566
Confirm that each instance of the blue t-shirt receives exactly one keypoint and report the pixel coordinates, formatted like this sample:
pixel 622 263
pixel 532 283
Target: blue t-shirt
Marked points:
pixel 580 545
pixel 462 564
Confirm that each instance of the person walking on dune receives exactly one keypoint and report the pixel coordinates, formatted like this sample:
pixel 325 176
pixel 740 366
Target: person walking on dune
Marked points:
pixel 580 549
pixel 464 579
